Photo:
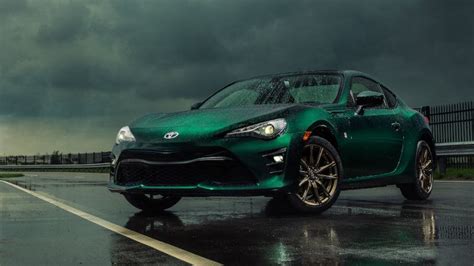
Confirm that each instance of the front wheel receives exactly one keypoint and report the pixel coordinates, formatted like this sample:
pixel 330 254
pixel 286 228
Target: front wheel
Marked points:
pixel 320 172
pixel 151 203
pixel 422 185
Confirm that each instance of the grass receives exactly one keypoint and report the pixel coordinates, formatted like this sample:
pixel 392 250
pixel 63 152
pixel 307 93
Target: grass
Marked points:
pixel 10 175
pixel 456 174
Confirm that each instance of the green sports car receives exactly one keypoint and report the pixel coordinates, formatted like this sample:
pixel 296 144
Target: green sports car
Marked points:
pixel 300 136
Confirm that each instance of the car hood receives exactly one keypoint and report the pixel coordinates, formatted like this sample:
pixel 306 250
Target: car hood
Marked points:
pixel 203 123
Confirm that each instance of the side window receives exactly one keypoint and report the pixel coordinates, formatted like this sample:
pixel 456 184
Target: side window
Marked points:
pixel 360 84
pixel 390 97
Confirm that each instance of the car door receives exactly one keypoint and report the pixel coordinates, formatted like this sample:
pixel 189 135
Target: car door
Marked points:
pixel 374 138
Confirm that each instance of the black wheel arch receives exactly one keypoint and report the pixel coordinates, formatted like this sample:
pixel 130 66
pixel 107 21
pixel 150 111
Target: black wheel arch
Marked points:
pixel 427 136
pixel 325 130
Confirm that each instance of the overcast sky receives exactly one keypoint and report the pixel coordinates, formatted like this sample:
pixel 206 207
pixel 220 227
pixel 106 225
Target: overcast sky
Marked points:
pixel 73 72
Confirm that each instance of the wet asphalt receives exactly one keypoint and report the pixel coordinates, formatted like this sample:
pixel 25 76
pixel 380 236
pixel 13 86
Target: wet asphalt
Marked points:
pixel 370 226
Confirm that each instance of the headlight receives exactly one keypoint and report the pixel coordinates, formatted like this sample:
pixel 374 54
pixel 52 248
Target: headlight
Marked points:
pixel 124 135
pixel 267 130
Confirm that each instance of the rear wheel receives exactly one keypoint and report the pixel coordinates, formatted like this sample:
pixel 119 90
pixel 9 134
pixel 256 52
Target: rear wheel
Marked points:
pixel 320 172
pixel 422 184
pixel 151 203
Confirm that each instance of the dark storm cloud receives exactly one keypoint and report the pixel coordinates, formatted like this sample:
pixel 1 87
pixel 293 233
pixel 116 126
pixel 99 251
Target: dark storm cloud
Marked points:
pixel 168 49
pixel 66 25
pixel 8 8
pixel 115 59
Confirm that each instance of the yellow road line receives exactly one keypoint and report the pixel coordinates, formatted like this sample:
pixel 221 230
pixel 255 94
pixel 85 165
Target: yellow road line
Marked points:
pixel 171 250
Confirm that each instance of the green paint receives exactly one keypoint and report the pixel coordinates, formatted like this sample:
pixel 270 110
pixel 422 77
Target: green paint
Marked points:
pixel 376 145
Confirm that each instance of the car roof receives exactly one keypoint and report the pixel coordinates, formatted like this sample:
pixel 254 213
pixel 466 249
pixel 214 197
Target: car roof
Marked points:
pixel 347 73
pixel 329 71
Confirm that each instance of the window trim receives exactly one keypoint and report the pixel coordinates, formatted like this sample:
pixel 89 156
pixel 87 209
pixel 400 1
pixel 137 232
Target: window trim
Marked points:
pixel 378 85
pixel 385 89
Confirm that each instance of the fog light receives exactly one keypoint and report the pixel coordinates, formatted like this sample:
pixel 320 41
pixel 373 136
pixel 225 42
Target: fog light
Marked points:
pixel 278 158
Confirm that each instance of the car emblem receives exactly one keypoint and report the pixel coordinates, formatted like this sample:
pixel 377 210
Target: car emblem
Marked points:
pixel 171 135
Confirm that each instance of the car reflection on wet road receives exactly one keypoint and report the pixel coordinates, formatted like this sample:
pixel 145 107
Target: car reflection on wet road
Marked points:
pixel 371 226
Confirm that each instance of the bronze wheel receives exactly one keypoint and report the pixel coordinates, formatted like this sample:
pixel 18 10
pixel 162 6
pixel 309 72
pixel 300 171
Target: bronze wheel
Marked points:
pixel 425 169
pixel 422 184
pixel 318 175
pixel 320 171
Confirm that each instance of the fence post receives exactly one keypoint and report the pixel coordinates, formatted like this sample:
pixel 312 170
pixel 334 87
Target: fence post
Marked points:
pixel 471 106
pixel 442 165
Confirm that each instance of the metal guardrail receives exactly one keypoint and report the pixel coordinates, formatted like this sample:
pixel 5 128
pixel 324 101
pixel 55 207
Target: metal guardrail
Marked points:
pixel 58 158
pixel 442 150
pixel 455 148
pixel 448 154
pixel 454 151
pixel 56 166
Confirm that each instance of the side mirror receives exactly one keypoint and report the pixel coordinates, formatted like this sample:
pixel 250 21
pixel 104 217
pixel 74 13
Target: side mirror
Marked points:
pixel 196 106
pixel 368 99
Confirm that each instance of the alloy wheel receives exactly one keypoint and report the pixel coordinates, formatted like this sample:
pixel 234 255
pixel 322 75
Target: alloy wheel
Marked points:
pixel 318 175
pixel 425 169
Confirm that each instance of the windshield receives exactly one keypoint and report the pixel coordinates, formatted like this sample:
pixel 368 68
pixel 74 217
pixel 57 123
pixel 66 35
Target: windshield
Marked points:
pixel 305 88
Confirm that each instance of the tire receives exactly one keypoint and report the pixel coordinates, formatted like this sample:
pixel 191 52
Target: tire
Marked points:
pixel 322 173
pixel 422 185
pixel 150 203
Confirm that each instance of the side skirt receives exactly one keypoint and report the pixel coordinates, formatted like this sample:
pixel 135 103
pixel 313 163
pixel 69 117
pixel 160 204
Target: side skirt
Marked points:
pixel 374 182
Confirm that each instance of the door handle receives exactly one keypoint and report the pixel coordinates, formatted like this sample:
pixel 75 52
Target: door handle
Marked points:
pixel 396 126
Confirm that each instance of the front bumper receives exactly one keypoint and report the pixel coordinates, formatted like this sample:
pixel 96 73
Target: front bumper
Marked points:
pixel 233 166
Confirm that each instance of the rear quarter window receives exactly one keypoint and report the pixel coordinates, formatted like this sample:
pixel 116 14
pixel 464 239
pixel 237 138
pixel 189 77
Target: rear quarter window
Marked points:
pixel 390 97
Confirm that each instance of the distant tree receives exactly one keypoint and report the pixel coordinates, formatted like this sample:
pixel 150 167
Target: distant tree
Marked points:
pixel 55 157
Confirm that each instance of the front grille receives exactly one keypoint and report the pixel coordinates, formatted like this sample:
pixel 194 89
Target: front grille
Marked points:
pixel 166 155
pixel 134 172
